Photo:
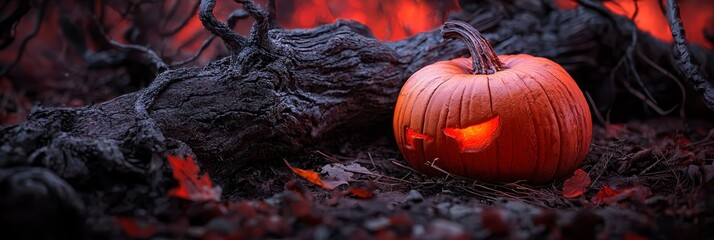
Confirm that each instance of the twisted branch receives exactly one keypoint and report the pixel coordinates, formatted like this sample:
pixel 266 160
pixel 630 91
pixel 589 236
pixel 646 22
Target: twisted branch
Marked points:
pixel 233 41
pixel 23 44
pixel 685 63
pixel 232 20
pixel 263 23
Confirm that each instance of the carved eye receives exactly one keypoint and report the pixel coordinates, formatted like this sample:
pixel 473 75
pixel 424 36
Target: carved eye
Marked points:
pixel 476 137
pixel 411 135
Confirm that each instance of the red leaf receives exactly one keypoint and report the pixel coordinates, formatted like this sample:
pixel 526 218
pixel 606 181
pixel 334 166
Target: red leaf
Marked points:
pixel 359 192
pixel 191 185
pixel 614 130
pixel 576 185
pixel 633 236
pixel 313 177
pixel 134 228
pixel 610 196
pixel 605 194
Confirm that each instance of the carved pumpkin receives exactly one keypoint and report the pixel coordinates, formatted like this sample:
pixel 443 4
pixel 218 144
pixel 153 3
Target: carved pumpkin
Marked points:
pixel 492 118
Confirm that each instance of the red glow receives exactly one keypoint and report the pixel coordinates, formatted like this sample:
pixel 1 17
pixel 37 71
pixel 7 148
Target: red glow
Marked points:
pixel 476 137
pixel 697 16
pixel 411 135
pixel 388 19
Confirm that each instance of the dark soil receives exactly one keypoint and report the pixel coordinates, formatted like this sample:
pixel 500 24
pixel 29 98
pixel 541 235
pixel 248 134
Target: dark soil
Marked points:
pixel 669 169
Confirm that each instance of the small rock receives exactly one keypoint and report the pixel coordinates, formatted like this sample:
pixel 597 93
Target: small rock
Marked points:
pixel 414 196
pixel 459 211
pixel 443 229
pixel 376 224
pixel 694 174
pixel 443 208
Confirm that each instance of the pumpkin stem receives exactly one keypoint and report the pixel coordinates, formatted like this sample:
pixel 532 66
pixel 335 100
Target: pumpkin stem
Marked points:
pixel 484 58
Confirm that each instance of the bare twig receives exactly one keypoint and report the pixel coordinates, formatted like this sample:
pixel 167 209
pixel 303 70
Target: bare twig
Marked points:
pixel 233 41
pixel 659 159
pixel 8 25
pixel 232 20
pixel 598 115
pixel 646 100
pixel 203 47
pixel 683 101
pixel 328 157
pixel 263 23
pixel 23 44
pixel 185 20
pixel 685 62
pixel 272 14
pixel 238 14
pixel 371 160
pixel 150 53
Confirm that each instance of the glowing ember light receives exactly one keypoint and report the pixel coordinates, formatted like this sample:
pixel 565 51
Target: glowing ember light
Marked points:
pixel 477 137
pixel 697 17
pixel 387 19
pixel 411 135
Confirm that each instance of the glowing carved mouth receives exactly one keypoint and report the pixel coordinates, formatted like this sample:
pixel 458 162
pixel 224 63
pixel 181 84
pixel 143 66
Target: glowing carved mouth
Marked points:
pixel 411 135
pixel 476 137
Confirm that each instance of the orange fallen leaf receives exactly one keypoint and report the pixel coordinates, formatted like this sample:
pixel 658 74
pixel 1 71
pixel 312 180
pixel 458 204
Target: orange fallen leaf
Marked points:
pixel 314 177
pixel 576 185
pixel 359 192
pixel 191 185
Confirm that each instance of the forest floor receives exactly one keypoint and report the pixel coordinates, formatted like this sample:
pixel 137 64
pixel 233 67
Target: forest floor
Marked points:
pixel 649 180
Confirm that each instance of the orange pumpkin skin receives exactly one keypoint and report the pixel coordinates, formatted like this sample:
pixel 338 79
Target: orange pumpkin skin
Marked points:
pixel 529 121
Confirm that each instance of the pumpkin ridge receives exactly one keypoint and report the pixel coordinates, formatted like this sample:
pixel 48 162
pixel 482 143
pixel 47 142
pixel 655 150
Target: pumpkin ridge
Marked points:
pixel 533 122
pixel 574 108
pixel 452 159
pixel 426 109
pixel 461 102
pixel 510 159
pixel 561 161
pixel 413 96
pixel 490 96
pixel 529 100
pixel 469 163
pixel 557 119
pixel 580 122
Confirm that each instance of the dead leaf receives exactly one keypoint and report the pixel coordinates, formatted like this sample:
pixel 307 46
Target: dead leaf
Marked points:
pixel 615 130
pixel 611 196
pixel 642 154
pixel 633 236
pixel 356 168
pixel 576 185
pixel 313 177
pixel 134 228
pixel 359 192
pixel 191 185
pixel 340 172
pixel 336 173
